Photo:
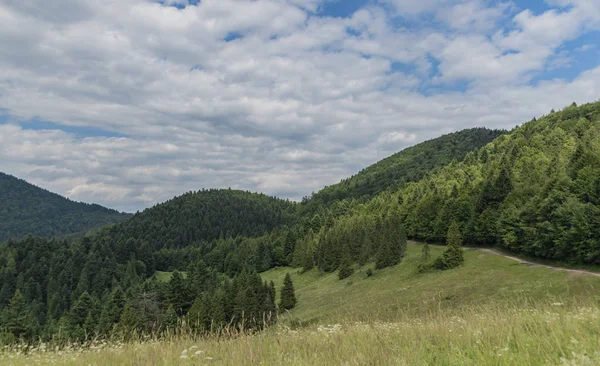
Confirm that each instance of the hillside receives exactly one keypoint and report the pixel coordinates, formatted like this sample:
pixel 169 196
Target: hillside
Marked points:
pixel 401 292
pixel 204 216
pixel 408 165
pixel 533 190
pixel 491 311
pixel 27 209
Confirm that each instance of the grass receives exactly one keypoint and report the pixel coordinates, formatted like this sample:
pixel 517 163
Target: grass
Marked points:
pixel 166 276
pixel 485 278
pixel 490 311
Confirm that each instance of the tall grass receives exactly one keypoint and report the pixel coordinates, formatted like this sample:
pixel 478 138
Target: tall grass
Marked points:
pixel 503 334
pixel 490 311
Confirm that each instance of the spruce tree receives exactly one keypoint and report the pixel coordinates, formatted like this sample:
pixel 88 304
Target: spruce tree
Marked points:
pixel 308 261
pixel 383 255
pixel 398 240
pixel 111 311
pixel 289 246
pixel 178 294
pixel 169 319
pixel 17 318
pixel 425 253
pixel 198 316
pixel 346 269
pixel 288 296
pixel 453 255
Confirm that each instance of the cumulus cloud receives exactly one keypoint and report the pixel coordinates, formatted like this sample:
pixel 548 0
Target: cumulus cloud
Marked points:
pixel 266 95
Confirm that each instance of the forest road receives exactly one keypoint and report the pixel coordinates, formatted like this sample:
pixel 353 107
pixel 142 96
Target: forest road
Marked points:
pixel 533 264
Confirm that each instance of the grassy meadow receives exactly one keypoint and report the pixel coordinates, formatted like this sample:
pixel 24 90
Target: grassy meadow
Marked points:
pixel 490 311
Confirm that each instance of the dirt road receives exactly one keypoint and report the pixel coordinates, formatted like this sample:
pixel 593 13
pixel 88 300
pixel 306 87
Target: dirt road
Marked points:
pixel 533 264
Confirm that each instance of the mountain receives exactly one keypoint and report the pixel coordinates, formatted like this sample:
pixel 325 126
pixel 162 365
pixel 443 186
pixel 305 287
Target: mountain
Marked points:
pixel 203 216
pixel 27 209
pixel 408 165
pixel 534 190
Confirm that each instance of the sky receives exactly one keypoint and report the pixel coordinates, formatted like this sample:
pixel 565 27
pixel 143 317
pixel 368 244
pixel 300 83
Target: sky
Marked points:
pixel 128 103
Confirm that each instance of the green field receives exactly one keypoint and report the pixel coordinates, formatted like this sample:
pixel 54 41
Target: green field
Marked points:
pixel 397 292
pixel 490 311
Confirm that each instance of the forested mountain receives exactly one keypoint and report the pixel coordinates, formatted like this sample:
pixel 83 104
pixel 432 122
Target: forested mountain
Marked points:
pixel 205 215
pixel 408 165
pixel 106 279
pixel 535 190
pixel 27 209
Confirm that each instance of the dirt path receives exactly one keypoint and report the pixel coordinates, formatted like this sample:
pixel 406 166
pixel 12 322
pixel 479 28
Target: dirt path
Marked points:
pixel 532 264
pixel 526 262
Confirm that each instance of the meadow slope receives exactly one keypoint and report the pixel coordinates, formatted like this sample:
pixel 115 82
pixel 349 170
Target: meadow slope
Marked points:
pixel 491 311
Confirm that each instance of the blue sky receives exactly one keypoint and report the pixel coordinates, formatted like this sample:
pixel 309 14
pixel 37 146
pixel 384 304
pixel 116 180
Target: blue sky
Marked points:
pixel 121 102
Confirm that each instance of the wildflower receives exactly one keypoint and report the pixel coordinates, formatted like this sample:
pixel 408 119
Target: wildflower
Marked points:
pixel 557 304
pixel 183 356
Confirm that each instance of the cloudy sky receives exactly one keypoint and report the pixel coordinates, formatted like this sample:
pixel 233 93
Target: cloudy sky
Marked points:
pixel 129 102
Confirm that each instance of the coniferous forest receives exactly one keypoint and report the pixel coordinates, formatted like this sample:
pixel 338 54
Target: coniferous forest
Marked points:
pixel 534 190
pixel 27 209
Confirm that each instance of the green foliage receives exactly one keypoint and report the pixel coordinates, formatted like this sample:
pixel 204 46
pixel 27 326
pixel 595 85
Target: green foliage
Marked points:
pixel 408 165
pixel 288 296
pixel 27 209
pixel 425 253
pixel 535 191
pixel 345 269
pixel 17 318
pixel 453 255
pixel 202 216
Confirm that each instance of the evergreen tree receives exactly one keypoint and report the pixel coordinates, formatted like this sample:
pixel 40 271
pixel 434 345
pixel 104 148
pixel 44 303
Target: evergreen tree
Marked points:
pixel 169 319
pixel 453 255
pixel 384 254
pixel 425 253
pixel 111 311
pixel 308 261
pixel 398 240
pixel 289 246
pixel 288 296
pixel 17 318
pixel 179 294
pixel 345 269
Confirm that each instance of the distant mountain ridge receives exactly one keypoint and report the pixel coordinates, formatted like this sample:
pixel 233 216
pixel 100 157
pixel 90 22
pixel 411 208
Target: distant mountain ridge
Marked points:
pixel 408 165
pixel 28 209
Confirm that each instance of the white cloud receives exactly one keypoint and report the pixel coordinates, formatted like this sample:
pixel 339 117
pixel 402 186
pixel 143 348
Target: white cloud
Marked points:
pixel 296 102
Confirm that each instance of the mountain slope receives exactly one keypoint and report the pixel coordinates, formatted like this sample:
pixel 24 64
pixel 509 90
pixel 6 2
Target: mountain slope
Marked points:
pixel 408 165
pixel 27 209
pixel 204 216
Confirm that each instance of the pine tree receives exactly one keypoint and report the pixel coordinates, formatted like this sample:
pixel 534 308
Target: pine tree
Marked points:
pixel 383 255
pixel 365 251
pixel 178 294
pixel 345 269
pixel 17 318
pixel 169 319
pixel 111 311
pixel 288 296
pixel 397 239
pixel 308 261
pixel 453 255
pixel 425 253
pixel 198 316
pixel 289 246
